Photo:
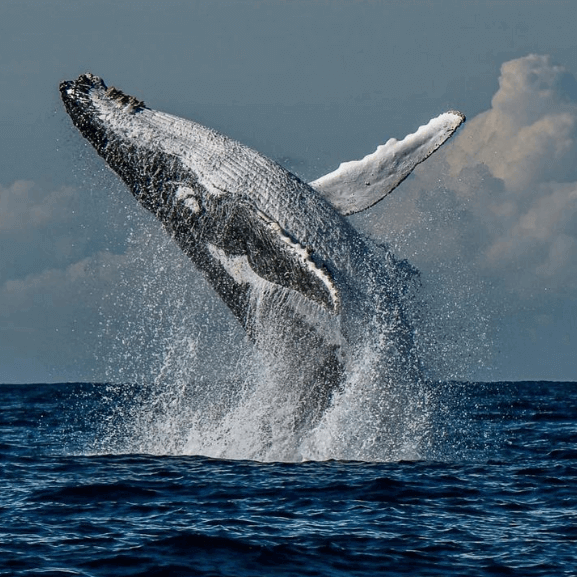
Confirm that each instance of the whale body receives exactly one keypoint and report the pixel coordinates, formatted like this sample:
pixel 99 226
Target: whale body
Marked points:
pixel 280 252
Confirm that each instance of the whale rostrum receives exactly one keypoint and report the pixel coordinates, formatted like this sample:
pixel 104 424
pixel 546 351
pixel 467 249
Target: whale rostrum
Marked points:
pixel 280 252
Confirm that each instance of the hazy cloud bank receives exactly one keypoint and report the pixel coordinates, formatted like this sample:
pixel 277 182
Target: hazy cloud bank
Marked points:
pixel 57 260
pixel 44 229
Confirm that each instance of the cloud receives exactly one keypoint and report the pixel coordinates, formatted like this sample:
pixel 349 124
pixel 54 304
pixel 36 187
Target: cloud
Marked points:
pixel 47 229
pixel 24 205
pixel 51 320
pixel 39 229
pixel 501 198
pixel 491 218
pixel 55 289
pixel 111 316
pixel 529 134
pixel 61 251
pixel 540 246
pixel 527 140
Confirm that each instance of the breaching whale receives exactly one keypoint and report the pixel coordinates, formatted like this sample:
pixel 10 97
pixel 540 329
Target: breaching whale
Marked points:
pixel 280 252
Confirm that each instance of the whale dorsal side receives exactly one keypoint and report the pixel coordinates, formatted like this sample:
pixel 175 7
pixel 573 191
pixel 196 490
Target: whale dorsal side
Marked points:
pixel 359 184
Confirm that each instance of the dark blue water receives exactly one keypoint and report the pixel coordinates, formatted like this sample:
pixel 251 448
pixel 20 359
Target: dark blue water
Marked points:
pixel 498 496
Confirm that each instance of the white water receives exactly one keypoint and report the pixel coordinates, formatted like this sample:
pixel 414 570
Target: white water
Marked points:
pixel 194 385
pixel 203 389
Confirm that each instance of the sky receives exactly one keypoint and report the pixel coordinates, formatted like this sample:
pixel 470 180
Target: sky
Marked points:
pixel 490 219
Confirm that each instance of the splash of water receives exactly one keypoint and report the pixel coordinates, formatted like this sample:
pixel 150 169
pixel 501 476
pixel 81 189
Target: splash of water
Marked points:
pixel 200 387
pixel 193 384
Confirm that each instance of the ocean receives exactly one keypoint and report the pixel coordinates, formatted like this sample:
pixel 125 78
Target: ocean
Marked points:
pixel 494 492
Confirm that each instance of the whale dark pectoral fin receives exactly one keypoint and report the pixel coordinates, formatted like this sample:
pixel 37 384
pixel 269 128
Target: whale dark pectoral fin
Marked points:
pixel 359 184
pixel 275 257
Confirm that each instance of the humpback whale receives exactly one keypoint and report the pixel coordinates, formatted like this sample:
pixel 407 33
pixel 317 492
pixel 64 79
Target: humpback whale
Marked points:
pixel 280 252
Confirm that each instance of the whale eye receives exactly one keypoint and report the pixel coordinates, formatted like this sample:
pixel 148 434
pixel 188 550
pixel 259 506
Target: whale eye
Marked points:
pixel 186 195
pixel 192 204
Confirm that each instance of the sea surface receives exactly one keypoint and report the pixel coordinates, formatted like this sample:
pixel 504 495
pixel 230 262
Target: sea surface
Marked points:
pixel 497 496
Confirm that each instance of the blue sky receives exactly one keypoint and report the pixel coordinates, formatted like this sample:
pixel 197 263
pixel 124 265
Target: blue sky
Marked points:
pixel 491 219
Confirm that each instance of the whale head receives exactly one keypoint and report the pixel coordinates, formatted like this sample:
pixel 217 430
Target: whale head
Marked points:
pixel 114 124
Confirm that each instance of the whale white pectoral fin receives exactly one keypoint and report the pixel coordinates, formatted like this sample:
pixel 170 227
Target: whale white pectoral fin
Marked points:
pixel 359 184
pixel 276 257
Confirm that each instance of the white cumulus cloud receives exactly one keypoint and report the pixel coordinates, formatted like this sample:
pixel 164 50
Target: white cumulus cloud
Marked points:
pixel 491 218
pixel 501 198
pixel 530 133
pixel 527 140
